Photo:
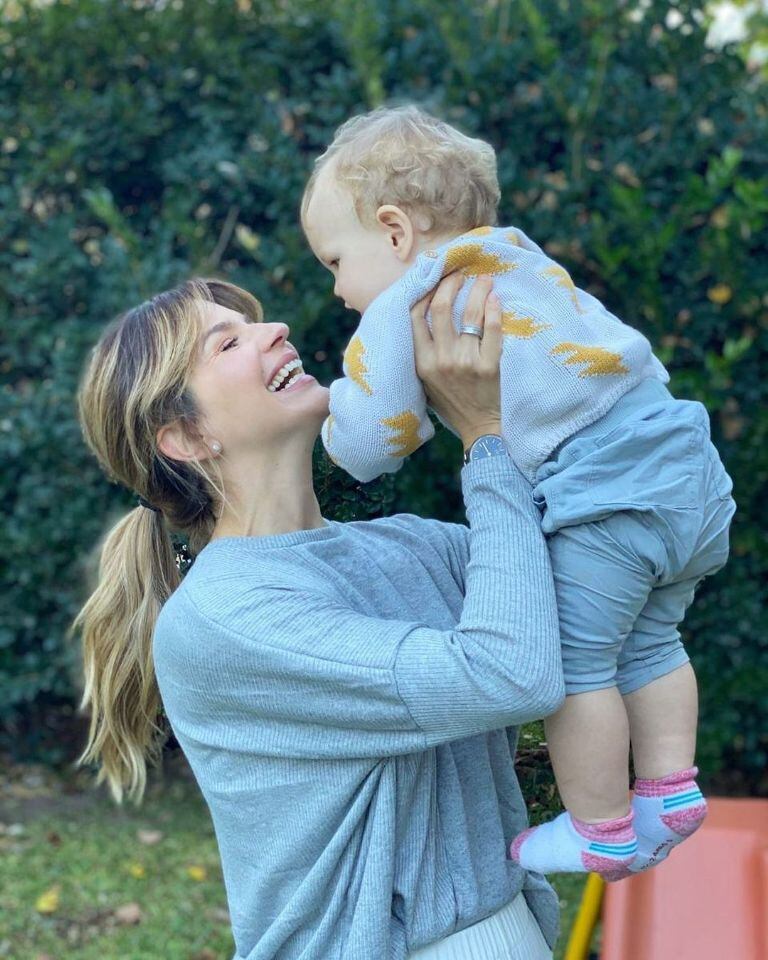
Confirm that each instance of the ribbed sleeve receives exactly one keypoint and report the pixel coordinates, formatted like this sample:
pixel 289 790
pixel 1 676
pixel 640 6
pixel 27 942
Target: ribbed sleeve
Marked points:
pixel 501 665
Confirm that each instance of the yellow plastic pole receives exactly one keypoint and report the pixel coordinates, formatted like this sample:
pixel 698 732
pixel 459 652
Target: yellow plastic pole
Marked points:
pixel 586 919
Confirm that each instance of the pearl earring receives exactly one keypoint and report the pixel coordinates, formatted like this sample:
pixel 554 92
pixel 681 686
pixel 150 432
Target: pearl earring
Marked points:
pixel 216 446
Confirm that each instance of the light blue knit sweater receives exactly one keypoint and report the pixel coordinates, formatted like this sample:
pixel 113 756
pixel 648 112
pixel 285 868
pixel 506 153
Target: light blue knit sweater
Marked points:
pixel 566 359
pixel 346 697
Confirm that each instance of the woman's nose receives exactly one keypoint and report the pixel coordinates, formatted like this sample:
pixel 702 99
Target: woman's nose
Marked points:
pixel 274 333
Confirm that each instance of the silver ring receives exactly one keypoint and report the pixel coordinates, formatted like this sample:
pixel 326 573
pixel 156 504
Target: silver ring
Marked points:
pixel 468 328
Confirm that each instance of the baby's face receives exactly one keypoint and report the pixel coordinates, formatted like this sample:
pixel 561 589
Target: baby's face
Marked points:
pixel 361 258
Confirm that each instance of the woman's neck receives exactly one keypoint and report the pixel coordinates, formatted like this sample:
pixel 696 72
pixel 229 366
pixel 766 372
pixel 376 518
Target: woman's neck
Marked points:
pixel 269 498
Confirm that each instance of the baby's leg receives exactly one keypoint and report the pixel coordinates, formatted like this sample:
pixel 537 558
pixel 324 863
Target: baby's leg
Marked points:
pixel 659 689
pixel 604 572
pixel 668 805
pixel 588 742
pixel 662 723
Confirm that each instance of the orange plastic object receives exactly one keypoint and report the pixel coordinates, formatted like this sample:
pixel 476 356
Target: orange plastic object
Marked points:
pixel 707 901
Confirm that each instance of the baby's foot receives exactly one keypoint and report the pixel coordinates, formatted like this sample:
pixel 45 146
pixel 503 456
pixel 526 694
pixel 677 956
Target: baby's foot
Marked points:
pixel 666 811
pixel 568 844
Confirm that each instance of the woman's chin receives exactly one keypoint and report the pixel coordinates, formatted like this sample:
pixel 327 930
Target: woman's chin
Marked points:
pixel 325 392
pixel 320 397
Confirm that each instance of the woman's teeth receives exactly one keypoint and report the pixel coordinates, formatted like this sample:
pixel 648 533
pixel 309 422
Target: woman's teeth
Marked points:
pixel 286 375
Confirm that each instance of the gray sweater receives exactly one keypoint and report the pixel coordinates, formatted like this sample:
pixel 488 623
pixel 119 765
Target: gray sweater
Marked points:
pixel 347 699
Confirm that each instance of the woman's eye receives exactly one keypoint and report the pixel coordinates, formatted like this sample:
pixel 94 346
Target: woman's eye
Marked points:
pixel 228 344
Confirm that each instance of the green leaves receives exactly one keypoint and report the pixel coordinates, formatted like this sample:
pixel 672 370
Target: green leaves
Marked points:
pixel 141 143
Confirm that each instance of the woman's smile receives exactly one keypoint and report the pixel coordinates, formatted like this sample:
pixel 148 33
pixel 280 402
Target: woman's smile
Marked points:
pixel 304 378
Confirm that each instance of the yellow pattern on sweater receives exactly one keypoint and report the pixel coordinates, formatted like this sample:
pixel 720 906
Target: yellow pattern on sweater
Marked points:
pixel 513 325
pixel 353 360
pixel 600 361
pixel 472 260
pixel 563 280
pixel 406 427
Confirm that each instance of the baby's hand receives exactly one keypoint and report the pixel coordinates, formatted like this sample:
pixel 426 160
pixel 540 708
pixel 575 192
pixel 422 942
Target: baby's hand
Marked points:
pixel 460 371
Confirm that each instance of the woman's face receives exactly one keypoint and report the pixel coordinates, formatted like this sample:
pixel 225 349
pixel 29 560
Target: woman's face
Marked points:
pixel 246 404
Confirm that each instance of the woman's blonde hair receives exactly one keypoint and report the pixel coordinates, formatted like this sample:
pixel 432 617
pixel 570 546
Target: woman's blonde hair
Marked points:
pixel 404 156
pixel 135 382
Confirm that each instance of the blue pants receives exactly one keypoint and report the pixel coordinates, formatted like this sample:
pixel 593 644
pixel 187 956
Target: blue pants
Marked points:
pixel 637 509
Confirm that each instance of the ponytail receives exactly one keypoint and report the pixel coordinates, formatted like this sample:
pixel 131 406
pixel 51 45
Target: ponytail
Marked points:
pixel 137 574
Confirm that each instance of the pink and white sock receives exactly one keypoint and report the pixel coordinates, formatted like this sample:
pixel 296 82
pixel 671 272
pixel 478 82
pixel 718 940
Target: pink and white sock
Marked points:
pixel 568 844
pixel 666 811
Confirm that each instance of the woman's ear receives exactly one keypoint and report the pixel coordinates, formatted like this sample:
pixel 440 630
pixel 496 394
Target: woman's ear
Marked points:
pixel 174 443
pixel 399 228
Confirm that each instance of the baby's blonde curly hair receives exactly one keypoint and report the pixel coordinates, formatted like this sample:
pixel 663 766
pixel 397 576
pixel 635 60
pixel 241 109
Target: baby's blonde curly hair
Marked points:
pixel 404 156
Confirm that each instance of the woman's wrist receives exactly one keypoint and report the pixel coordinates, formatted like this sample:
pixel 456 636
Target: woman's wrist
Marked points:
pixel 487 445
pixel 469 436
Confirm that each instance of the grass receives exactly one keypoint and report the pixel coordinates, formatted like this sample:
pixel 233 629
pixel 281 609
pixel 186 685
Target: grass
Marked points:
pixel 111 896
pixel 79 849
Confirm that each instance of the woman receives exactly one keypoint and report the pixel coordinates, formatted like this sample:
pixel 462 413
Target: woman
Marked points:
pixel 345 693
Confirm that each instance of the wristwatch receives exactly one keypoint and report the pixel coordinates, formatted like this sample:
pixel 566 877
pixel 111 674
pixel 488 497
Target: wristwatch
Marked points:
pixel 488 445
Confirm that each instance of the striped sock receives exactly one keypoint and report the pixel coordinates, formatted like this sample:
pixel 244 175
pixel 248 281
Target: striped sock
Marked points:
pixel 568 844
pixel 666 811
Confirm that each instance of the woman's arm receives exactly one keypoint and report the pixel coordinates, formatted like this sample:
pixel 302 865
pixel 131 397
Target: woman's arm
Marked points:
pixel 505 651
pixel 501 666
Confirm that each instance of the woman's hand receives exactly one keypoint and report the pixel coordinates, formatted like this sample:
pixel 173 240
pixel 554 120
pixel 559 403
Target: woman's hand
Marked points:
pixel 460 372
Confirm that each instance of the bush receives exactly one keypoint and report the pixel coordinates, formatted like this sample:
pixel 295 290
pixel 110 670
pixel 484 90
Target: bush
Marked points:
pixel 142 142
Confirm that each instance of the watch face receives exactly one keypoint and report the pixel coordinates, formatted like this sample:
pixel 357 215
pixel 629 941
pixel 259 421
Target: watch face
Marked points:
pixel 487 446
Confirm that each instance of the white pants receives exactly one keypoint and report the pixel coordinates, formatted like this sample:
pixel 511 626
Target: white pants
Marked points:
pixel 509 934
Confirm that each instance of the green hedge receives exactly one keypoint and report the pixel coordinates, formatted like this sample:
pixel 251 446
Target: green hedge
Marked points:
pixel 141 142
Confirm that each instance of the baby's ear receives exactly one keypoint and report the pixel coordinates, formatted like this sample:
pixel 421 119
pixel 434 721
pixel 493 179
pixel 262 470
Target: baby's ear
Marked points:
pixel 399 229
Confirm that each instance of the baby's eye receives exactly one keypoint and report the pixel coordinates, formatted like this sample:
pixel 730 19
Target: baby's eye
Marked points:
pixel 228 344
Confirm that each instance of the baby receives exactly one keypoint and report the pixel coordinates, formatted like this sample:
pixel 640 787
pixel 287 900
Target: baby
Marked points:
pixel 634 499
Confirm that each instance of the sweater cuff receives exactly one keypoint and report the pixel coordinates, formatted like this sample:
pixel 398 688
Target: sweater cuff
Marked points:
pixel 495 486
pixel 502 467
